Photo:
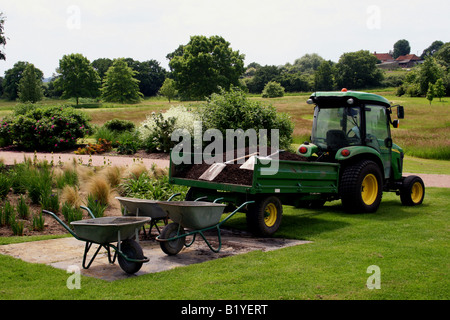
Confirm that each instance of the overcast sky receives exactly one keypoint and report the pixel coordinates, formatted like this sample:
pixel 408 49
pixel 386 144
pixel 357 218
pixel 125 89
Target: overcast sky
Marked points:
pixel 271 32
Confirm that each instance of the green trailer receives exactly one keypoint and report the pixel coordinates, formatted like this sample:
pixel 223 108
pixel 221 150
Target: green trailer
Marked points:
pixel 351 156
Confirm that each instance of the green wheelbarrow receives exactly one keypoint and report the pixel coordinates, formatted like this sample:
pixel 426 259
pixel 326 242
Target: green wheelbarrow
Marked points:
pixel 106 231
pixel 197 217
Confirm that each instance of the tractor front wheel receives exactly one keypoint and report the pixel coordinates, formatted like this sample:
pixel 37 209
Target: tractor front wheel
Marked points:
pixel 361 187
pixel 412 191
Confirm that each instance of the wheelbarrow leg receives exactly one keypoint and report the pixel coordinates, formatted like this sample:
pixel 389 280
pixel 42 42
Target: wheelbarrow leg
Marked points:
pixel 86 250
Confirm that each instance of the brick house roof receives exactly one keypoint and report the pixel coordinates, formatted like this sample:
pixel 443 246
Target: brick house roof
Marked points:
pixel 408 57
pixel 384 57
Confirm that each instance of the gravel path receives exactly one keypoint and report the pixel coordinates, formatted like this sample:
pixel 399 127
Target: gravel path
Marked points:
pixel 9 158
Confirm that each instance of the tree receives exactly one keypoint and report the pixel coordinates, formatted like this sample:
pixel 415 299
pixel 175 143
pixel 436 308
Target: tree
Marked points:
pixel 358 70
pixel 101 65
pixel 323 77
pixel 429 72
pixel 432 49
pixel 309 63
pixel 168 89
pixel 430 92
pixel 205 66
pixel 443 55
pixel 150 75
pixel 262 76
pixel 439 89
pixel 120 85
pixel 272 90
pixel 13 77
pixel 2 36
pixel 30 86
pixel 401 48
pixel 77 77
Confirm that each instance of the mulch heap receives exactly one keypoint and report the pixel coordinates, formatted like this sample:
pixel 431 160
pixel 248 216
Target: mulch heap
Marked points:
pixel 232 173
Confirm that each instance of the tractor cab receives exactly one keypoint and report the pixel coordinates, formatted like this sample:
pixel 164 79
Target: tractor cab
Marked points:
pixel 347 124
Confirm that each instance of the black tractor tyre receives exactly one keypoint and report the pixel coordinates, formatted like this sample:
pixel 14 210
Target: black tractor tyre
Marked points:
pixel 132 250
pixel 172 247
pixel 264 216
pixel 361 187
pixel 412 191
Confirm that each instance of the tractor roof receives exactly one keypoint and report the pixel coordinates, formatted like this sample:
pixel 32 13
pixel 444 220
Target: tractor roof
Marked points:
pixel 351 94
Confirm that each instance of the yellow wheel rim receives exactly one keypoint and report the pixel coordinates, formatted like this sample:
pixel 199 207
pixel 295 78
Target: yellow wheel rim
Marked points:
pixel 416 192
pixel 369 189
pixel 270 215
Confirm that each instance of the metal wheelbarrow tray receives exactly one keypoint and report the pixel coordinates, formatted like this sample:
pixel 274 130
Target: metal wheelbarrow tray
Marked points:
pixel 145 208
pixel 106 231
pixel 197 215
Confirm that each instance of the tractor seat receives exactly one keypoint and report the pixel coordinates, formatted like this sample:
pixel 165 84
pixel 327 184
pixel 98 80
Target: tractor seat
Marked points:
pixel 336 139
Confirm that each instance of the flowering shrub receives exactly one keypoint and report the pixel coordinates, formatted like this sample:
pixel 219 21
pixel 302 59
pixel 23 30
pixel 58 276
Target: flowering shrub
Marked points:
pixel 155 132
pixel 100 147
pixel 45 128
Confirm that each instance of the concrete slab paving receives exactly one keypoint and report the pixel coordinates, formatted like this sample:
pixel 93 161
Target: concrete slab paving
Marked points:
pixel 66 252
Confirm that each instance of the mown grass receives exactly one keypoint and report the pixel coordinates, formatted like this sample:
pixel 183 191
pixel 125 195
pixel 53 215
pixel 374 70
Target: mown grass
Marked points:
pixel 409 244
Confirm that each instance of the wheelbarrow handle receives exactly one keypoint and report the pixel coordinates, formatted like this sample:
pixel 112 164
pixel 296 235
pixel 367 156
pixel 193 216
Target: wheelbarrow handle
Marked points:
pixel 62 223
pixel 89 211
pixel 234 212
pixel 173 196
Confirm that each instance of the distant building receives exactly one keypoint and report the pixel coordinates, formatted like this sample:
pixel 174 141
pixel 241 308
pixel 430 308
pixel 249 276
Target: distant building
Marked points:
pixel 387 61
pixel 408 61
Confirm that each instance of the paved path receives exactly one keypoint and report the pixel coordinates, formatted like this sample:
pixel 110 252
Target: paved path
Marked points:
pixel 9 157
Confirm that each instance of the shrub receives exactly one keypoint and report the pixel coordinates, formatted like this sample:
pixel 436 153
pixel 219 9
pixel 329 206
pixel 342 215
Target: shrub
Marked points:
pixel 272 90
pixel 118 125
pixel 100 147
pixel 233 110
pixel 128 143
pixel 47 128
pixel 155 132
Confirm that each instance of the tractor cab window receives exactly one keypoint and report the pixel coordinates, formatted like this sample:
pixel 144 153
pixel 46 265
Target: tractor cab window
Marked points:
pixel 377 127
pixel 335 128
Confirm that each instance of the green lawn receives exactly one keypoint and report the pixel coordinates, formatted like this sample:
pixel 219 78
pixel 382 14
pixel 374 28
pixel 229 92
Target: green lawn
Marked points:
pixel 410 245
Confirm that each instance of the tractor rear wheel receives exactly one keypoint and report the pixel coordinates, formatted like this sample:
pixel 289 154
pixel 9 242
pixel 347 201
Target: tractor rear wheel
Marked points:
pixel 412 191
pixel 361 187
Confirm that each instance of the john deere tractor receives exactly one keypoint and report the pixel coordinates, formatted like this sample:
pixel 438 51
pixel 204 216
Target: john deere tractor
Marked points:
pixel 353 129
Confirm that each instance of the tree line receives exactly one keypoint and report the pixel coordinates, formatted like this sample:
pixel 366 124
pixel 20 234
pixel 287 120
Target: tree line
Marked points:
pixel 205 65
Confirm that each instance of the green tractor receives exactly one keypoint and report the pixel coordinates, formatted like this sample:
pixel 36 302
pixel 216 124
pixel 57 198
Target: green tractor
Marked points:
pixel 353 129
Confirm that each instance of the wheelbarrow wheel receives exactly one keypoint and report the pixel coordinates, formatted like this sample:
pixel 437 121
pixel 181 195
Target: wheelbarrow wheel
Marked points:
pixel 172 247
pixel 132 250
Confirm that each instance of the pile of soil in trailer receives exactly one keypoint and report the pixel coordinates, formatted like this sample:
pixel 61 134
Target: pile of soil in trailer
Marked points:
pixel 232 173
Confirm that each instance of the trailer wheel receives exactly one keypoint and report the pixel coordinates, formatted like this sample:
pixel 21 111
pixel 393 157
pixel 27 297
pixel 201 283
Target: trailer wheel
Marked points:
pixel 132 250
pixel 412 191
pixel 264 217
pixel 361 187
pixel 172 247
